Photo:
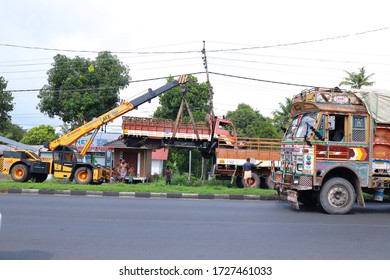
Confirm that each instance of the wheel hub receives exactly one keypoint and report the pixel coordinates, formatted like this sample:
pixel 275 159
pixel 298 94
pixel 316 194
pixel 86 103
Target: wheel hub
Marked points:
pixel 338 196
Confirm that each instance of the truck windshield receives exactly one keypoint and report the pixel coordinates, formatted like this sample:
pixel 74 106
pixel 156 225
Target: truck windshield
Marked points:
pixel 300 126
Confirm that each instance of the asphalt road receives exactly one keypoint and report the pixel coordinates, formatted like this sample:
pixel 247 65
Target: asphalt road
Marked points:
pixel 76 228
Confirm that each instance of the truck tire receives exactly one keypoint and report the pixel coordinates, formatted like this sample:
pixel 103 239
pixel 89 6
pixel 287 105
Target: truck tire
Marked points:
pixel 253 182
pixel 337 196
pixel 268 182
pixel 20 173
pixel 83 175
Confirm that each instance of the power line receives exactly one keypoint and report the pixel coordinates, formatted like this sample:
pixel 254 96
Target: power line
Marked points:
pixel 260 80
pixel 166 77
pixel 197 51
pixel 303 42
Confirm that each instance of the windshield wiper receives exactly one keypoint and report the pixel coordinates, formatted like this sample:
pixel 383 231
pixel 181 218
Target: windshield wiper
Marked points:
pixel 305 137
pixel 319 135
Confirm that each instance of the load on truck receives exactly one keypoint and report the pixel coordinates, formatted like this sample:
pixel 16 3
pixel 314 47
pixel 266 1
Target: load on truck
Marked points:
pixel 67 162
pixel 158 133
pixel 262 152
pixel 336 148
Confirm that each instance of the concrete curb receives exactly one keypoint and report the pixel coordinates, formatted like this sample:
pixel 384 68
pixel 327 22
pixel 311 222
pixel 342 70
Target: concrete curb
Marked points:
pixel 141 194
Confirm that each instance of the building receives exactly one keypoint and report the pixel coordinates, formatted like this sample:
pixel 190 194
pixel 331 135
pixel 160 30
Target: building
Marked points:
pixel 146 162
pixel 159 158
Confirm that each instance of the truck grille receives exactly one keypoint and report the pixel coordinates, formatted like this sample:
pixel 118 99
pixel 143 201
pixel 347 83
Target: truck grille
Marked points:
pixel 305 181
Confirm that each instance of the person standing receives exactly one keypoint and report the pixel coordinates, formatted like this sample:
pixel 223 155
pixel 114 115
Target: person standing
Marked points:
pixel 123 168
pixel 247 169
pixel 168 175
pixel 131 174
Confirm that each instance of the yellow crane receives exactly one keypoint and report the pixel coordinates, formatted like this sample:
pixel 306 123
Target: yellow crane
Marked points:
pixel 66 162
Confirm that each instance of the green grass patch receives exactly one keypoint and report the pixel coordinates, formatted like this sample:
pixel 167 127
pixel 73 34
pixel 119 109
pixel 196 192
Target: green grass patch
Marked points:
pixel 180 186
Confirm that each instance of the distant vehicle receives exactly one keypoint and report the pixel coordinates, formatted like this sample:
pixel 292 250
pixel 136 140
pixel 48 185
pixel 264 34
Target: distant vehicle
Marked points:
pixel 158 133
pixel 264 153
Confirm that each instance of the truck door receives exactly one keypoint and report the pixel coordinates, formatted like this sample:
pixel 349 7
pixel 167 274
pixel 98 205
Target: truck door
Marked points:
pixel 337 127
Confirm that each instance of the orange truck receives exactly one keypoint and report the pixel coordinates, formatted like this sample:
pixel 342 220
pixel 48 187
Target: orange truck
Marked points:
pixel 263 153
pixel 157 133
pixel 336 148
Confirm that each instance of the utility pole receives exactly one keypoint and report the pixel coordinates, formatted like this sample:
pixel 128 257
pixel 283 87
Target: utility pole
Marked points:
pixel 211 93
pixel 211 106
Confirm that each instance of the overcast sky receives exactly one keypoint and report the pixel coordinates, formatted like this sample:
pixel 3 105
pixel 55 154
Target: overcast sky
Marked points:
pixel 254 47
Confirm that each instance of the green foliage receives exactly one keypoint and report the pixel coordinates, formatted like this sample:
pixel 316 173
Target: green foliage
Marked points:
pixel 197 97
pixel 178 160
pixel 39 135
pixel 357 80
pixel 6 104
pixel 81 89
pixel 250 123
pixel 282 117
pixel 12 131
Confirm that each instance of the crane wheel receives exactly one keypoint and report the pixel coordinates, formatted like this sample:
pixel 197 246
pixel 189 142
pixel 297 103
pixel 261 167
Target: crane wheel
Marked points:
pixel 20 173
pixel 83 175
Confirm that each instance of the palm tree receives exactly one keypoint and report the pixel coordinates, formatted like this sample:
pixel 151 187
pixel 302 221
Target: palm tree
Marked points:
pixel 357 80
pixel 282 117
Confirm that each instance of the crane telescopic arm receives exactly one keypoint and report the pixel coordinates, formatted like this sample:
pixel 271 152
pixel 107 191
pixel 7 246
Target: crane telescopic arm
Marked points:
pixel 95 124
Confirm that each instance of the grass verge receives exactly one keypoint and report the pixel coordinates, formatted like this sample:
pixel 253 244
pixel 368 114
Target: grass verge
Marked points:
pixel 155 187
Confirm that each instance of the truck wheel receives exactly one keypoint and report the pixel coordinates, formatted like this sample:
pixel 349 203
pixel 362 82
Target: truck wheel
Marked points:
pixel 253 182
pixel 83 175
pixel 337 196
pixel 268 182
pixel 20 173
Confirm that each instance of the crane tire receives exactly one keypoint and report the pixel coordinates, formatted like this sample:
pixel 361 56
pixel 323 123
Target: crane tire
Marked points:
pixel 20 173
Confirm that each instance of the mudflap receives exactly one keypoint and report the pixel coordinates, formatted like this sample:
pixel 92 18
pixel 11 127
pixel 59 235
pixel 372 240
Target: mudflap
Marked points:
pixel 292 198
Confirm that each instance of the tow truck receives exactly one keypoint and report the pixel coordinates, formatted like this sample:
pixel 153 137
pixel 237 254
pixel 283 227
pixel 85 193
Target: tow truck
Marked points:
pixel 66 161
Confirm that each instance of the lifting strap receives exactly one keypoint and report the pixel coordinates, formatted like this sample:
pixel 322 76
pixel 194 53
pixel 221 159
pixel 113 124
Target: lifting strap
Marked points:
pixel 179 118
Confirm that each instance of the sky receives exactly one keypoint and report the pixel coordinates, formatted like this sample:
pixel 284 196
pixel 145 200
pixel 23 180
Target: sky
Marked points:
pixel 258 52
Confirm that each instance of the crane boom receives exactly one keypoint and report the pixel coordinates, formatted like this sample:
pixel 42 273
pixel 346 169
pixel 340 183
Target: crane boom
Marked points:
pixel 126 106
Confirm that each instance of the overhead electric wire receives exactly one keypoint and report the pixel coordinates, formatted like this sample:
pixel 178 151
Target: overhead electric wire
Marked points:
pixel 197 51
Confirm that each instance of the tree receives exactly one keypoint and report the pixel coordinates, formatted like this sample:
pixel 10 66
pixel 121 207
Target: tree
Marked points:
pixel 12 131
pixel 250 123
pixel 197 97
pixel 6 104
pixel 39 135
pixel 282 117
pixel 357 80
pixel 81 89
